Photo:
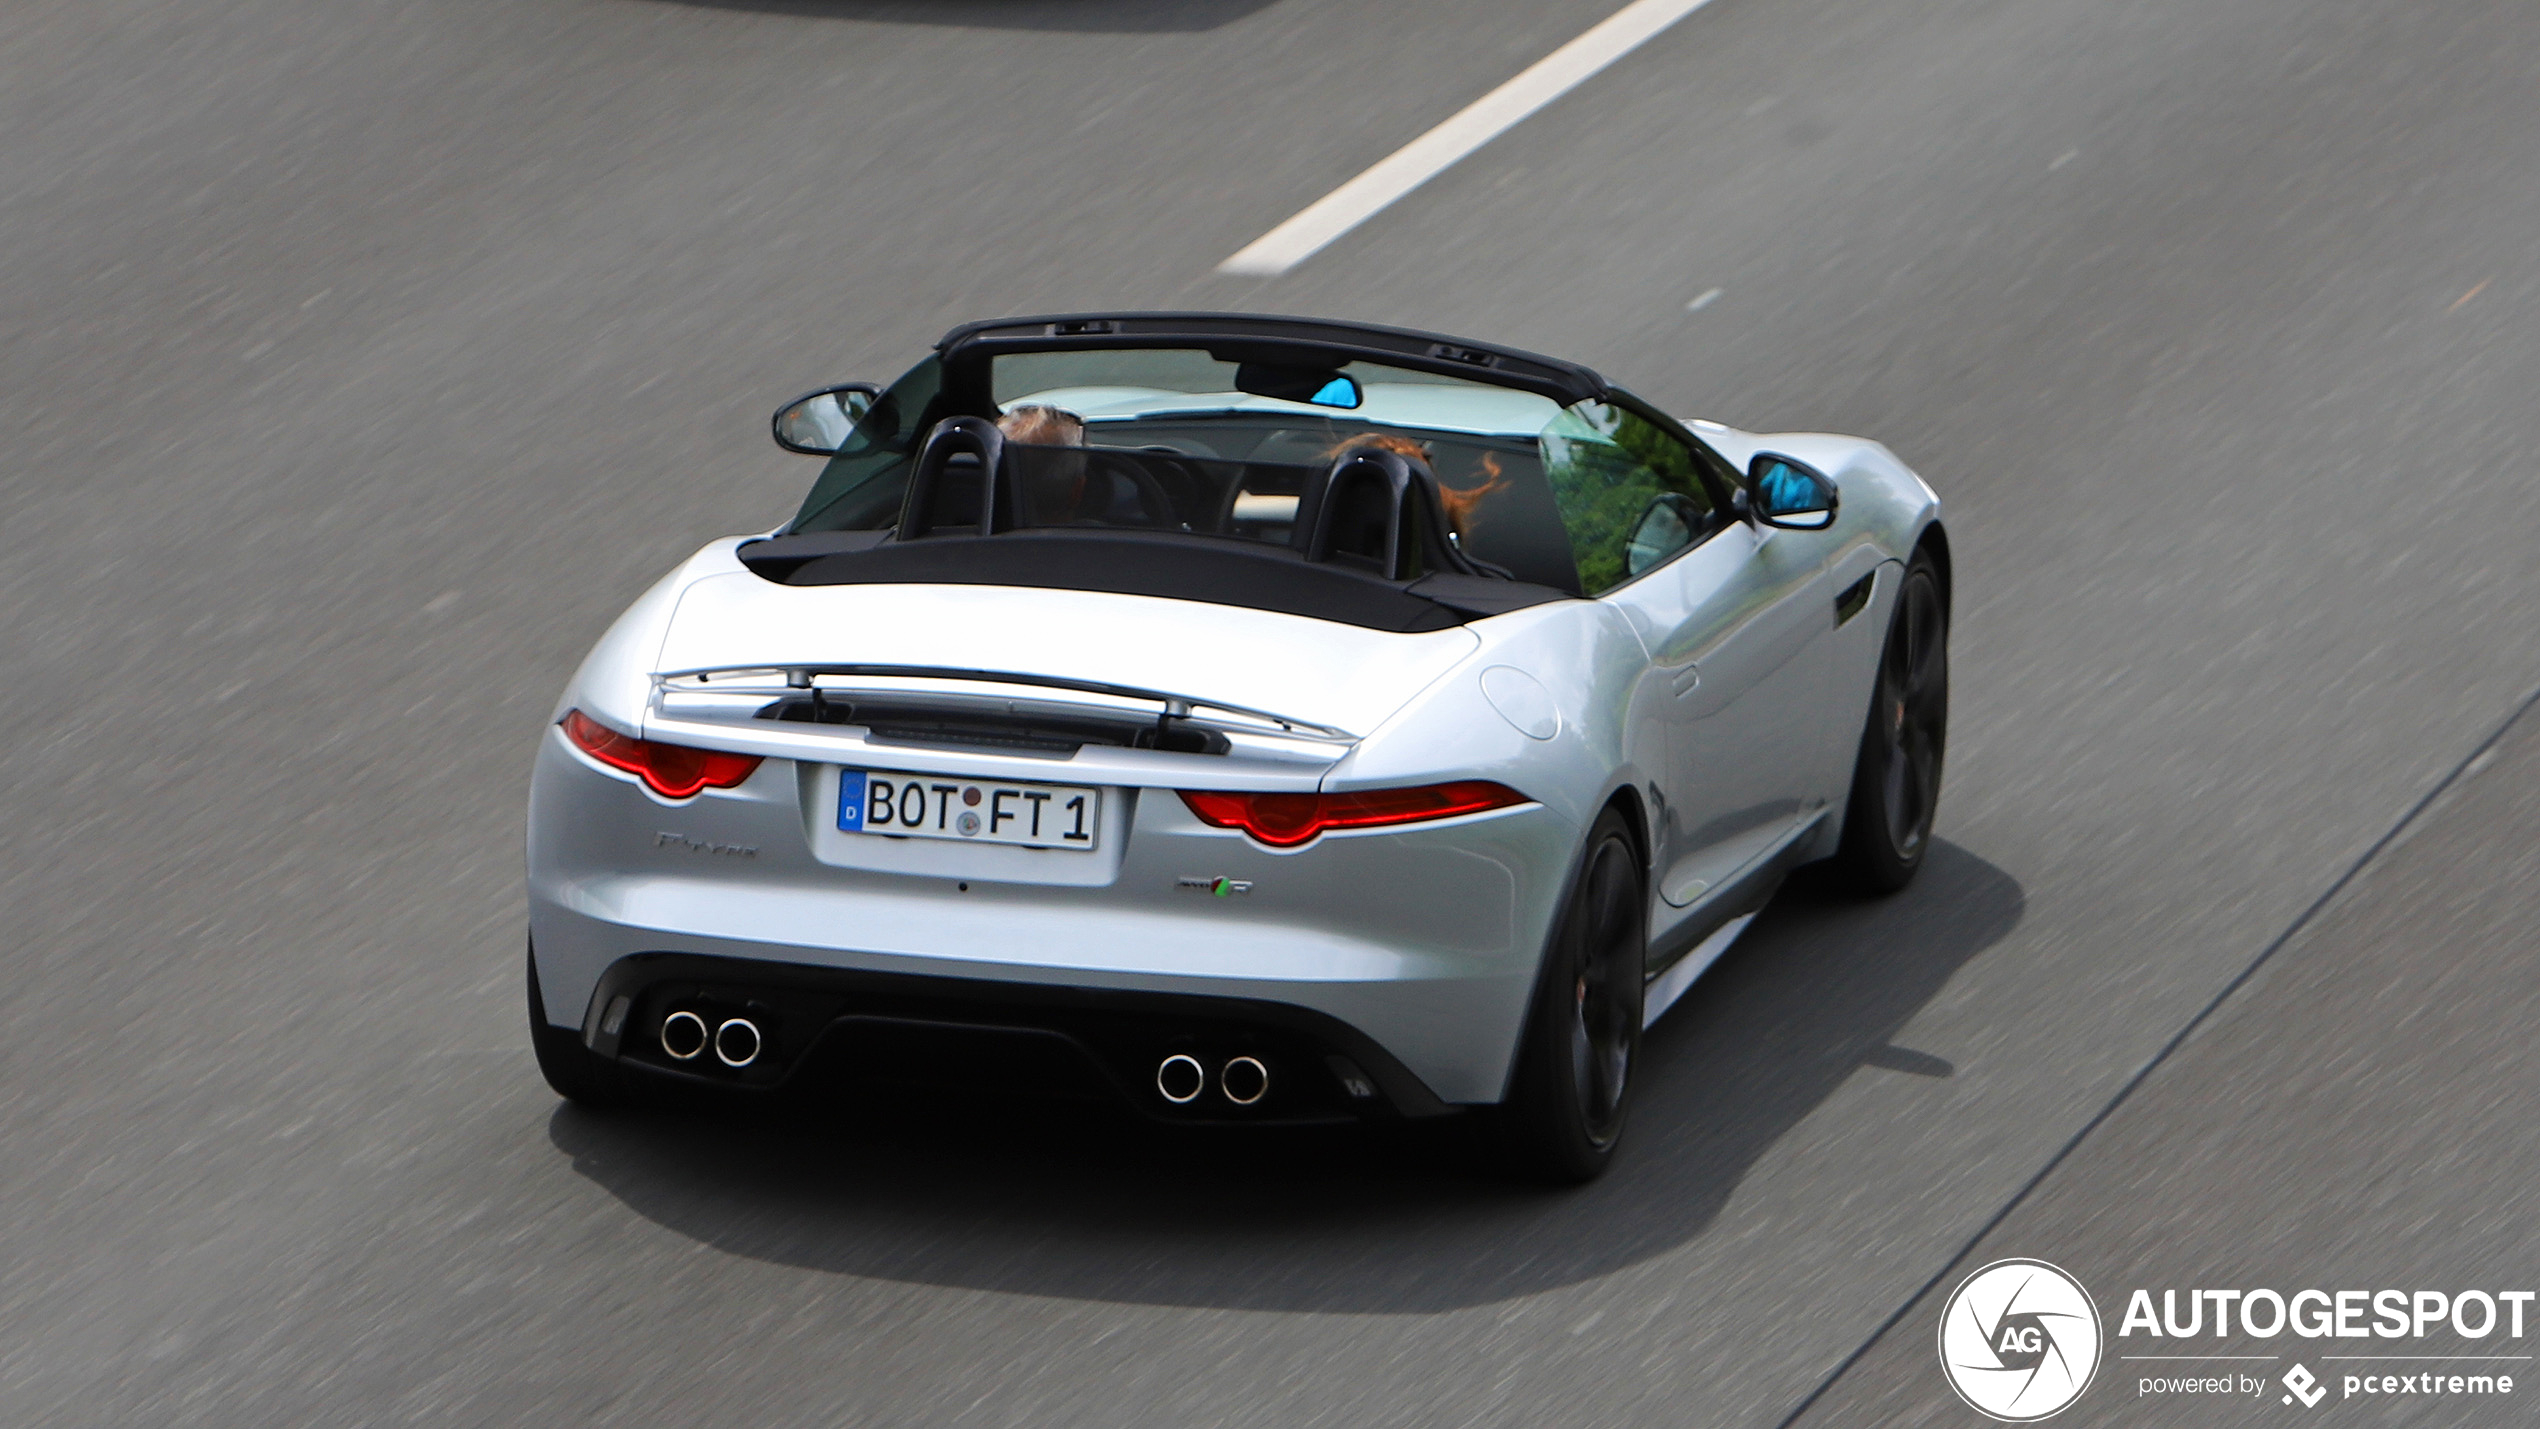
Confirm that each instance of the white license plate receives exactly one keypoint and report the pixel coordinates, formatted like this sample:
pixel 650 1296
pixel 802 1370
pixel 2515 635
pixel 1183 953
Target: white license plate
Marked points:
pixel 988 811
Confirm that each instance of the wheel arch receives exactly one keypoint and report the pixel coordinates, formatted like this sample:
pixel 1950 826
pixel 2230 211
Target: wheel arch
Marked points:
pixel 1934 541
pixel 1626 801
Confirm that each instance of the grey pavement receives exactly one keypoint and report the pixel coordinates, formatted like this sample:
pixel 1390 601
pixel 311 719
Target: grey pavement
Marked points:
pixel 2279 1149
pixel 359 360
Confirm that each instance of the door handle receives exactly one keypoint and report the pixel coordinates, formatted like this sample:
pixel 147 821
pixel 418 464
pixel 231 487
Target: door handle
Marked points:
pixel 1684 681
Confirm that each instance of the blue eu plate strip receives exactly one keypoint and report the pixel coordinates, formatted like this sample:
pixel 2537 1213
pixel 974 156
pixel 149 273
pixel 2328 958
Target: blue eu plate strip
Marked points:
pixel 851 800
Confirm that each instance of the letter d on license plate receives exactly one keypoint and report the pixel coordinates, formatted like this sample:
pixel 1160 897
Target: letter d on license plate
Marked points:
pixel 923 806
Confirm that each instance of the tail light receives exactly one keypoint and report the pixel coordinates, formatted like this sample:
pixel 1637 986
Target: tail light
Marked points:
pixel 1286 820
pixel 673 771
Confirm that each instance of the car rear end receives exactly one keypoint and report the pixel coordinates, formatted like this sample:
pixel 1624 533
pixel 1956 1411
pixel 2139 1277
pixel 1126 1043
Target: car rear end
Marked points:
pixel 1049 840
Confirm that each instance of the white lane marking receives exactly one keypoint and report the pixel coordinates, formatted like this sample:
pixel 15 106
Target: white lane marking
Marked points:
pixel 1478 123
pixel 1672 983
pixel 2062 159
pixel 1707 297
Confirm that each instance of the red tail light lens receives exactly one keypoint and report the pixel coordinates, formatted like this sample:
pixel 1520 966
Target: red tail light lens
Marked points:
pixel 673 771
pixel 1286 820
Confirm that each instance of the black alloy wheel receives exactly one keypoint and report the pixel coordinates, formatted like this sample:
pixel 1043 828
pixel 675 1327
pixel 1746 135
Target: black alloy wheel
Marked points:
pixel 1896 781
pixel 1574 1068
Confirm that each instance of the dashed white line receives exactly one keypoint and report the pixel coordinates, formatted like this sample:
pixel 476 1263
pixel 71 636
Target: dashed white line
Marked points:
pixel 2062 159
pixel 1485 119
pixel 1706 298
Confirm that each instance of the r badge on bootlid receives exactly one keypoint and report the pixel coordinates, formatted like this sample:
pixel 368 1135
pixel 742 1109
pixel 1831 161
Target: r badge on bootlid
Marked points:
pixel 1218 887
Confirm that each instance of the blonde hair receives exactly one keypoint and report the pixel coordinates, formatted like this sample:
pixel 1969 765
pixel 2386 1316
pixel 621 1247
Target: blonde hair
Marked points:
pixel 1036 425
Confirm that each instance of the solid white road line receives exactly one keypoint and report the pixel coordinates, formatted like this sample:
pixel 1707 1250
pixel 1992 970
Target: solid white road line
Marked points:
pixel 1433 153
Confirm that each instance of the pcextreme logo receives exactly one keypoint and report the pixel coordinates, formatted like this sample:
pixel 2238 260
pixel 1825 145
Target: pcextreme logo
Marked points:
pixel 2019 1340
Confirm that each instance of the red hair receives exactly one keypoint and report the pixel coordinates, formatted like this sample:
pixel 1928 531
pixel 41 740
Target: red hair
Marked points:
pixel 1460 505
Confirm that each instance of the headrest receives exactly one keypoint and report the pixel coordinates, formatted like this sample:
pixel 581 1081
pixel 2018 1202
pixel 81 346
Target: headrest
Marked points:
pixel 1379 510
pixel 943 455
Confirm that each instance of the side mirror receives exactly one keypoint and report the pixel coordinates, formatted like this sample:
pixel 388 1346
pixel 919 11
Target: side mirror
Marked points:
pixel 818 423
pixel 1791 494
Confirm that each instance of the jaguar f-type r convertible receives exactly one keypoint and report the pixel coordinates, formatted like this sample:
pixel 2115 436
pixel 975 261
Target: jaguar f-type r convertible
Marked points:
pixel 1250 719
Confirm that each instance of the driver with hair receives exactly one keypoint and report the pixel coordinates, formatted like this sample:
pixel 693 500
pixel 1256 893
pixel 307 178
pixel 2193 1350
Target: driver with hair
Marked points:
pixel 1035 424
pixel 1053 483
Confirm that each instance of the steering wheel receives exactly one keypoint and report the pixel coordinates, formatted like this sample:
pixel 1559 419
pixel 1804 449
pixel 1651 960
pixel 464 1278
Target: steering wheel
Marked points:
pixel 1153 499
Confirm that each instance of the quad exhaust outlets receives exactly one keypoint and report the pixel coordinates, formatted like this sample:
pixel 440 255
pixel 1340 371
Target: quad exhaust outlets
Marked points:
pixel 735 1041
pixel 1182 1079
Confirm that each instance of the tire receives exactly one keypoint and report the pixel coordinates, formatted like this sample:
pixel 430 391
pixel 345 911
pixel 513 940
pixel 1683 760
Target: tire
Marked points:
pixel 578 1074
pixel 1896 778
pixel 1572 1091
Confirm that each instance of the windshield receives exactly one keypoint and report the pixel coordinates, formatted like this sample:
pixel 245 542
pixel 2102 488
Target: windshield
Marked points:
pixel 1178 440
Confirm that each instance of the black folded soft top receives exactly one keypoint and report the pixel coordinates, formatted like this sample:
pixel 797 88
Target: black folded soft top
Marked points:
pixel 1219 571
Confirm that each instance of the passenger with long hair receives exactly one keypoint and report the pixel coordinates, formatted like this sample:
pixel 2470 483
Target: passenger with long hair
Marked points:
pixel 1462 505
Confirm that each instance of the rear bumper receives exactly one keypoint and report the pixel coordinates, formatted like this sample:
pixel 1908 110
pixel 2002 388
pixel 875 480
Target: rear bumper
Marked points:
pixel 1021 1038
pixel 1409 954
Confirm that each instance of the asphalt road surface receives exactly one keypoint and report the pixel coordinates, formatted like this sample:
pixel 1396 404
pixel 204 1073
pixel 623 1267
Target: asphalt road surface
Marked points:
pixel 359 360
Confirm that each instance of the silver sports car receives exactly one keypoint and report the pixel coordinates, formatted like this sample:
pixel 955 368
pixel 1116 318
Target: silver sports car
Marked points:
pixel 1251 719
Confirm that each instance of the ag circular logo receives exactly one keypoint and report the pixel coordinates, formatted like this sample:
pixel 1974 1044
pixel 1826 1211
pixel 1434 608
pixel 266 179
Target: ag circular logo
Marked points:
pixel 2019 1340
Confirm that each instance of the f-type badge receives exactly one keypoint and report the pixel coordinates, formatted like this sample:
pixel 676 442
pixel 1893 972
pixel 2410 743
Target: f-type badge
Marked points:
pixel 667 839
pixel 1218 887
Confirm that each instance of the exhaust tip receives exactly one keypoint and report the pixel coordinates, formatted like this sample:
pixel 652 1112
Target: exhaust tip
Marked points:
pixel 736 1043
pixel 683 1036
pixel 1244 1081
pixel 1180 1079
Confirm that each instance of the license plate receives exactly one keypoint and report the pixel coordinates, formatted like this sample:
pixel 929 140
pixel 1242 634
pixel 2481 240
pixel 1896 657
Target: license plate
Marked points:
pixel 988 811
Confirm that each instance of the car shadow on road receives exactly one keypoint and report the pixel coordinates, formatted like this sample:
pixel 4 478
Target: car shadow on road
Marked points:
pixel 1091 1207
pixel 1110 17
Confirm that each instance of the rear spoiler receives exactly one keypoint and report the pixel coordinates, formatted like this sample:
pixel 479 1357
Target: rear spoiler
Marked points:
pixel 778 682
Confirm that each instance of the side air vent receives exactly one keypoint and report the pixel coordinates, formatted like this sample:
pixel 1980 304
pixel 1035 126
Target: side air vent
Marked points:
pixel 1854 600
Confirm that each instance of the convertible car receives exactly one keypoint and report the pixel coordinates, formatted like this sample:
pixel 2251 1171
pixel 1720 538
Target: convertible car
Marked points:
pixel 1249 719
